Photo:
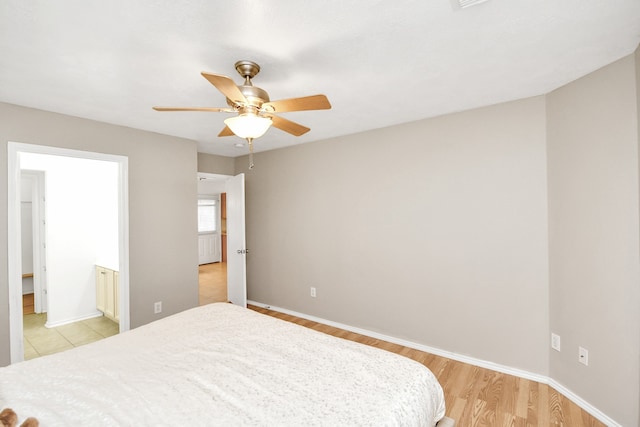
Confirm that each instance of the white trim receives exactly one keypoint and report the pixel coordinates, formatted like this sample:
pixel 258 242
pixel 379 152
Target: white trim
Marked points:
pixel 123 249
pixel 14 256
pixel 14 244
pixel 68 321
pixel 582 403
pixel 38 232
pixel 458 357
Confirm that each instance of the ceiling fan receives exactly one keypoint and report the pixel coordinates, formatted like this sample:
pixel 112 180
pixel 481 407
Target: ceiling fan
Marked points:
pixel 255 111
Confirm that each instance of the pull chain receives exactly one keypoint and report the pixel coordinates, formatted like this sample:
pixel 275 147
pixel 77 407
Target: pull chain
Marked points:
pixel 250 141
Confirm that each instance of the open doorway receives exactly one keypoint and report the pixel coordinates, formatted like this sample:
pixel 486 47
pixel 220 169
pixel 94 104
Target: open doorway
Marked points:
pixel 86 226
pixel 212 235
pixel 233 240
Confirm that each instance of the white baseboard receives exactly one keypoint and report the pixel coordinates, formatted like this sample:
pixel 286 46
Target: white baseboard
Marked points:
pixel 458 357
pixel 67 321
pixel 582 403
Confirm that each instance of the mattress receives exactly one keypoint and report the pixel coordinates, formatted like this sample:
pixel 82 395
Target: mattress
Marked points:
pixel 223 365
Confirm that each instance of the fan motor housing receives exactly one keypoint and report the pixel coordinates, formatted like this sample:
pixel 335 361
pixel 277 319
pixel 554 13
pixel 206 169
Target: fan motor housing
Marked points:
pixel 255 95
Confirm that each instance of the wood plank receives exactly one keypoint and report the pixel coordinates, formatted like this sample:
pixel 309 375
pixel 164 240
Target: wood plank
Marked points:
pixel 523 398
pixel 556 415
pixel 507 402
pixel 533 404
pixel 456 409
pixel 544 408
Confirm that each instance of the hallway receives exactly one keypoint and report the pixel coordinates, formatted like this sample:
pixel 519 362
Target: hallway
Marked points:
pixel 212 281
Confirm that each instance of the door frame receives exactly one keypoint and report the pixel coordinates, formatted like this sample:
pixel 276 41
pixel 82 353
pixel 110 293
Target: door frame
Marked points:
pixel 14 234
pixel 39 254
pixel 236 283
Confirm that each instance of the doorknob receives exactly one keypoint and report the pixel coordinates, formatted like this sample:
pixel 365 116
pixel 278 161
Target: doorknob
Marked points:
pixel 243 251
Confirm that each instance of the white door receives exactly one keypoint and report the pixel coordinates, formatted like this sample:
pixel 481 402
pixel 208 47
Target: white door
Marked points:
pixel 236 250
pixel 208 245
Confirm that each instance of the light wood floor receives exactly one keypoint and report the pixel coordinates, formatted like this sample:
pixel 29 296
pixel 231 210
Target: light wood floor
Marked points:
pixel 212 281
pixel 476 396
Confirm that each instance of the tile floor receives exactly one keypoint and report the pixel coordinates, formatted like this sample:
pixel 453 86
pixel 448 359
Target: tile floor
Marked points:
pixel 40 341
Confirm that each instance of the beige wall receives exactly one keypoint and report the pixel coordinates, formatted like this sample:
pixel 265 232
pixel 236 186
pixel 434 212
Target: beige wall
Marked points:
pixel 436 232
pixel 433 231
pixel 211 163
pixel 637 58
pixel 162 208
pixel 594 237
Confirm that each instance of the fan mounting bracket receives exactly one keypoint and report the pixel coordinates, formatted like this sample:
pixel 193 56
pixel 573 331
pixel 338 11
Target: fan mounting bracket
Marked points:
pixel 247 69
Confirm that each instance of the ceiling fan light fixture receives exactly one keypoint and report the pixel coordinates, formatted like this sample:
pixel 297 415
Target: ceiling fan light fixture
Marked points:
pixel 248 125
pixel 255 109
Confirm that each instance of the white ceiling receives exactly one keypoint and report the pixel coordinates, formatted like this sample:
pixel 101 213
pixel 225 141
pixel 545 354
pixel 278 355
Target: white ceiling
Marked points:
pixel 380 63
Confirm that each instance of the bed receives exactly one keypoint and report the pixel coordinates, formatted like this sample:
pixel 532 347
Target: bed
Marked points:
pixel 223 365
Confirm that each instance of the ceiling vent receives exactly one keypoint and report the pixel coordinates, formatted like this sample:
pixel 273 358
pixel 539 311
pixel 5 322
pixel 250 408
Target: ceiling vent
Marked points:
pixel 463 4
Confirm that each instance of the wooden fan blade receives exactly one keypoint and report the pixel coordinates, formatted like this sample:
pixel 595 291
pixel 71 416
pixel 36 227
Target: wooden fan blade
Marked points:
pixel 225 85
pixel 313 102
pixel 288 126
pixel 226 132
pixel 210 109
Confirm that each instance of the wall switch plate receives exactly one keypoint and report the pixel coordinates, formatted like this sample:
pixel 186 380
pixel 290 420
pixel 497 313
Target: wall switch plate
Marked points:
pixel 555 341
pixel 313 292
pixel 157 307
pixel 583 356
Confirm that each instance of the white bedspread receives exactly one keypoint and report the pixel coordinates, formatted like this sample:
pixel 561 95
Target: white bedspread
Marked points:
pixel 222 365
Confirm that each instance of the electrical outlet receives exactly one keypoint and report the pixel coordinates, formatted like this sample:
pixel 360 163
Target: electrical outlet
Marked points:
pixel 583 356
pixel 555 341
pixel 157 307
pixel 313 292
